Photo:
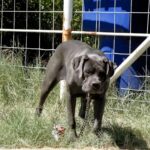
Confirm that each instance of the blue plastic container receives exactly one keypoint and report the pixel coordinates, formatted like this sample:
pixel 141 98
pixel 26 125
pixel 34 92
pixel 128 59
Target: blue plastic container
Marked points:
pixel 109 21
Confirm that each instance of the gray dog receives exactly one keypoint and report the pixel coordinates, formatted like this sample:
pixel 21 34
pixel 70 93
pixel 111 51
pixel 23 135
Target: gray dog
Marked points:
pixel 85 70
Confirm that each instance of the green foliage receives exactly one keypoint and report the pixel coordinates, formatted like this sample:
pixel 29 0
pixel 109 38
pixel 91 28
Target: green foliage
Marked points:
pixel 125 123
pixel 45 19
pixel 126 119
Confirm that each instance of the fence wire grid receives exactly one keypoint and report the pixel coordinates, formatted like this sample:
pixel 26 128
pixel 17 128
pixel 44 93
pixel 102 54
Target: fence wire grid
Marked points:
pixel 33 28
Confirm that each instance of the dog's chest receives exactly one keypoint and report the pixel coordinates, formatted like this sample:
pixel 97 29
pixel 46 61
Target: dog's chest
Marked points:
pixel 75 89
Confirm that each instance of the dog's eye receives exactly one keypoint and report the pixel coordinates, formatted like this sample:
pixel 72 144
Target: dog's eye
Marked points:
pixel 102 76
pixel 89 72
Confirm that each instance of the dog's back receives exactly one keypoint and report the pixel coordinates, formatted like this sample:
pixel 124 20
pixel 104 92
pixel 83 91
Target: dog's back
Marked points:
pixel 75 48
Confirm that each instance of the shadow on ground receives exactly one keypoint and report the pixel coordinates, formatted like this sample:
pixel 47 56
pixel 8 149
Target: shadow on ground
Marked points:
pixel 126 138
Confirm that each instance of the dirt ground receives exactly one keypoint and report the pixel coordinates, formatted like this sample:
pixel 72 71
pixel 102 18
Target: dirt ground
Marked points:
pixel 87 148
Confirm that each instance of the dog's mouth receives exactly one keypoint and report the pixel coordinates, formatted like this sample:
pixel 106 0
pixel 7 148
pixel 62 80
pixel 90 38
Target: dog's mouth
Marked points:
pixel 93 86
pixel 92 90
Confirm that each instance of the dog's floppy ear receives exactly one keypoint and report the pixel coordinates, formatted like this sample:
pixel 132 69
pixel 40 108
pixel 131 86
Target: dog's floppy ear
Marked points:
pixel 78 63
pixel 110 67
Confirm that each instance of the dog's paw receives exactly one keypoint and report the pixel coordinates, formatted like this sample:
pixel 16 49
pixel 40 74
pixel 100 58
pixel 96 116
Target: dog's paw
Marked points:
pixel 38 111
pixel 97 131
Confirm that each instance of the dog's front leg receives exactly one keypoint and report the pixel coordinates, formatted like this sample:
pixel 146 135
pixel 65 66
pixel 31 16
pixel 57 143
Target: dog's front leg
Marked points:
pixel 99 104
pixel 83 107
pixel 71 103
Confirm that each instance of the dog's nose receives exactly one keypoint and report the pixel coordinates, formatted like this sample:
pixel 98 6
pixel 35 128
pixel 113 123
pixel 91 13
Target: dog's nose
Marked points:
pixel 96 85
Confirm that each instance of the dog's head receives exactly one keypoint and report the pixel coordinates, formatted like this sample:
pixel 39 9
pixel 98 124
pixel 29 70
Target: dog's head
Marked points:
pixel 94 70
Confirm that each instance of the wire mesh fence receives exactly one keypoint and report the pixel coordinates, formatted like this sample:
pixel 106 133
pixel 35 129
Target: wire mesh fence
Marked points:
pixel 30 17
pixel 32 28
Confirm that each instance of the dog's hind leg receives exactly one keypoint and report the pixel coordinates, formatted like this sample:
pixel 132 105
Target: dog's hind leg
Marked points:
pixel 46 88
pixel 50 80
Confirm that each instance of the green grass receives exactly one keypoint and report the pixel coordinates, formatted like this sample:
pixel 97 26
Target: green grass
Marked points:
pixel 126 122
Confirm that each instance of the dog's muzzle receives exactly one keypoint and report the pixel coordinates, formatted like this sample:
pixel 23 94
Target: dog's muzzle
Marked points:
pixel 92 87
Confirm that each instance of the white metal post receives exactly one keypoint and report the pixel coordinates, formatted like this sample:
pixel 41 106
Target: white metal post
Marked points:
pixel 67 17
pixel 131 58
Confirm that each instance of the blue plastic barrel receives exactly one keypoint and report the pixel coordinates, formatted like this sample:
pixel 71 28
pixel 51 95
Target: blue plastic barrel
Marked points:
pixel 115 48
